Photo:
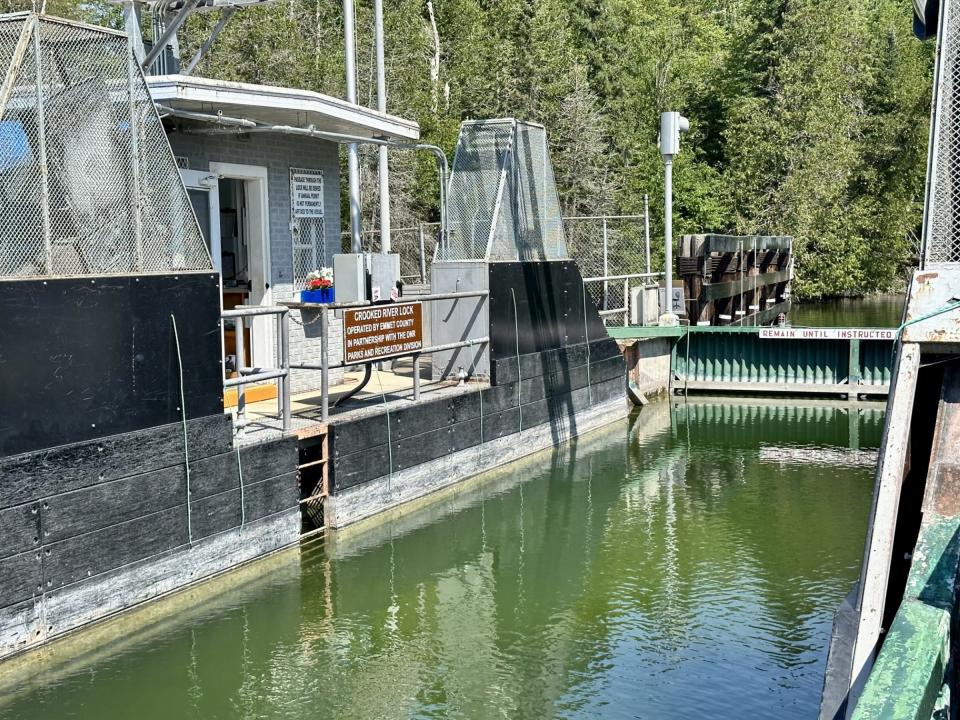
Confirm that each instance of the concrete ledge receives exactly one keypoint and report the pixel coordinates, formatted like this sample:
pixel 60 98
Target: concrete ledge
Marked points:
pixel 390 491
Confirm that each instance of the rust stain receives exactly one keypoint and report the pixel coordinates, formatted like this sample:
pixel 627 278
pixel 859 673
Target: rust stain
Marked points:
pixel 947 502
pixel 927 277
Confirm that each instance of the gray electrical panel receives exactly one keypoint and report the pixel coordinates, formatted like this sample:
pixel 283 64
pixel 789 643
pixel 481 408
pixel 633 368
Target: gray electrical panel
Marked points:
pixel 349 278
pixel 384 276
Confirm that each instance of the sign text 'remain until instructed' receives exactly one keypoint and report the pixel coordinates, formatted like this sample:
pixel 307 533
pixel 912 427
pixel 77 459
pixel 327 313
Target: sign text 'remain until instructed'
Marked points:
pixel 381 331
pixel 790 333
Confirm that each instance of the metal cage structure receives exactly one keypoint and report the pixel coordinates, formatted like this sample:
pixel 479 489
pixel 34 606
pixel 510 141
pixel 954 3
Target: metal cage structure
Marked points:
pixel 502 198
pixel 941 225
pixel 88 182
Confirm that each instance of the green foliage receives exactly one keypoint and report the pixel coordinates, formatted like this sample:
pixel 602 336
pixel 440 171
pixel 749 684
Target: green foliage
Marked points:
pixel 808 118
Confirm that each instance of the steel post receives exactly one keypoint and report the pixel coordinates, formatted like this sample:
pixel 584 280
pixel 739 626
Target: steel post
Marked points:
pixel 423 255
pixel 285 408
pixel 42 148
pixel 646 227
pixel 626 303
pixel 324 364
pixel 353 158
pixel 241 362
pixel 606 265
pixel 668 232
pixel 132 72
pixel 384 170
pixel 416 377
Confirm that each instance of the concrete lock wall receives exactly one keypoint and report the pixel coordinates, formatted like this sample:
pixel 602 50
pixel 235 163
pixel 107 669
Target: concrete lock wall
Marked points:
pixel 278 153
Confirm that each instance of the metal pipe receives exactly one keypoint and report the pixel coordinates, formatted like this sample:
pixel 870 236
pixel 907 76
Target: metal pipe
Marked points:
pixel 353 157
pixel 606 268
pixel 324 365
pixel 225 16
pixel 132 71
pixel 423 351
pixel 259 310
pixel 631 276
pixel 169 32
pixel 285 409
pixel 240 353
pixel 416 377
pixel 423 256
pixel 42 145
pixel 668 231
pixel 208 117
pixel 384 170
pixel 646 227
pixel 418 299
pixel 242 380
pixel 626 303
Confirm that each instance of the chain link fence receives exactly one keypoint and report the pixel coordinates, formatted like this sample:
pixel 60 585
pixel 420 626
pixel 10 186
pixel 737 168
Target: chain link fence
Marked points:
pixel 942 227
pixel 609 246
pixel 88 184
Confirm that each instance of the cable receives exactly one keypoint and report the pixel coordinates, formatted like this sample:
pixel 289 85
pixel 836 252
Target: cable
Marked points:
pixel 516 335
pixel 586 337
pixel 243 505
pixel 183 418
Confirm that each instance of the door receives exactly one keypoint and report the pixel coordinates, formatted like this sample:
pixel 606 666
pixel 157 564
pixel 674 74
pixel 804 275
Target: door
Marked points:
pixel 253 226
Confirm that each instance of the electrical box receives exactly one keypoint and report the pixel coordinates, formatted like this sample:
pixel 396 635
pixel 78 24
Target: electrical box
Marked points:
pixel 349 278
pixel 671 125
pixel 644 306
pixel 384 276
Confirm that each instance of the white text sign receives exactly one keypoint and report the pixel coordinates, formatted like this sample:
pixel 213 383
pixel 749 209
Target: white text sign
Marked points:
pixel 789 333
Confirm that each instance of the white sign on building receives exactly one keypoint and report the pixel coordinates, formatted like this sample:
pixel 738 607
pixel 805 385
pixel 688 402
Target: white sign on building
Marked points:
pixel 306 193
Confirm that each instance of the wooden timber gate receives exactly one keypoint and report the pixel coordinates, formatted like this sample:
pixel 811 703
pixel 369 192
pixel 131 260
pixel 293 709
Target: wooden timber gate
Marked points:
pixel 735 280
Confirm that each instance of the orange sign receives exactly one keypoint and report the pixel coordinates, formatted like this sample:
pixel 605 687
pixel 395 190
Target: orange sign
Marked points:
pixel 381 331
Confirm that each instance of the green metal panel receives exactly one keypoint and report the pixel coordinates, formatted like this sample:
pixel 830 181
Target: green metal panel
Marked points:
pixel 733 354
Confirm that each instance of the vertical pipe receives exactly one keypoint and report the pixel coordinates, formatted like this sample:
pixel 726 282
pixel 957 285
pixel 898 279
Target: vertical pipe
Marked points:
pixel 353 159
pixel 626 302
pixel 423 255
pixel 384 170
pixel 285 408
pixel 42 143
pixel 135 161
pixel 668 230
pixel 324 365
pixel 241 363
pixel 606 267
pixel 416 377
pixel 646 227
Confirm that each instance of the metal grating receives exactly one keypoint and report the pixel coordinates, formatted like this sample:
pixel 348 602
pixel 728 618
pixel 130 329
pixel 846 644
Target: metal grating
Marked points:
pixel 502 197
pixel 88 183
pixel 307 227
pixel 942 212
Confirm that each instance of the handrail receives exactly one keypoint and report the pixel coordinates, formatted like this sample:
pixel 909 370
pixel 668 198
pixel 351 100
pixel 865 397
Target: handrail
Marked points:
pixel 246 376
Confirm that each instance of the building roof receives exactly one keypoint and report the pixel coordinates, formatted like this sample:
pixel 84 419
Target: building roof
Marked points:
pixel 278 106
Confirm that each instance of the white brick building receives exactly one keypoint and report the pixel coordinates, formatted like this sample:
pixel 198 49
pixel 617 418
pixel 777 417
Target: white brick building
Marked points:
pixel 243 181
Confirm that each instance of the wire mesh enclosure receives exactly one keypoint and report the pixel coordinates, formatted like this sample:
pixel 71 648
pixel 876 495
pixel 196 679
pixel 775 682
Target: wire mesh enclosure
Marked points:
pixel 502 198
pixel 88 183
pixel 942 213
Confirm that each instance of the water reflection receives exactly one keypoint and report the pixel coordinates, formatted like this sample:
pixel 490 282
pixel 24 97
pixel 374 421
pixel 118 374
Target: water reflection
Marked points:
pixel 673 566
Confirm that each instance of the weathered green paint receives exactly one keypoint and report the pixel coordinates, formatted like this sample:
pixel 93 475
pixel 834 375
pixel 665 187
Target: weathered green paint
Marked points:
pixel 908 676
pixel 735 356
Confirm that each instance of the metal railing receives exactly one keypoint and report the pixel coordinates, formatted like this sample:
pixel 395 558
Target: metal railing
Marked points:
pixel 606 311
pixel 325 365
pixel 249 375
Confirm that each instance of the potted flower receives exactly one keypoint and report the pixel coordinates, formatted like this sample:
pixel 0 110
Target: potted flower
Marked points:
pixel 319 287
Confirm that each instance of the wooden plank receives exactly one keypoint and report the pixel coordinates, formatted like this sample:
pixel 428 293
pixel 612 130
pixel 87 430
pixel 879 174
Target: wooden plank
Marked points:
pixel 267 460
pixel 70 467
pixel 22 577
pixel 19 529
pixel 88 555
pixel 718 291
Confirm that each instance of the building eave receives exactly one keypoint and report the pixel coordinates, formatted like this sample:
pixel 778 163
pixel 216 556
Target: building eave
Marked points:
pixel 278 105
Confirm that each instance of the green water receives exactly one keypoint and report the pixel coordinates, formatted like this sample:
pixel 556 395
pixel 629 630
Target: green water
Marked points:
pixel 875 311
pixel 684 564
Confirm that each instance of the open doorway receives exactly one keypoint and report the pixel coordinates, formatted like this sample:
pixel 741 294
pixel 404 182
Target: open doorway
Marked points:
pixel 244 254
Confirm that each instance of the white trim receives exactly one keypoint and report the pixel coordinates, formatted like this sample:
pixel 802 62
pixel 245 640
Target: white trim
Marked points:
pixel 208 182
pixel 204 94
pixel 261 292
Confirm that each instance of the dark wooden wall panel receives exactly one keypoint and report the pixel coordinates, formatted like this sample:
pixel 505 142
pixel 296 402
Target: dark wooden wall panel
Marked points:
pixel 63 469
pixel 84 358
pixel 19 529
pixel 21 577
